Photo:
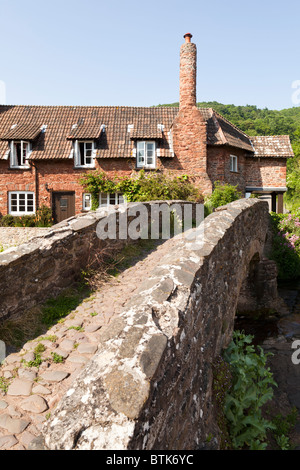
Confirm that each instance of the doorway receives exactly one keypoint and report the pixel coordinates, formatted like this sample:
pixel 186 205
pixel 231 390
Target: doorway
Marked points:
pixel 63 204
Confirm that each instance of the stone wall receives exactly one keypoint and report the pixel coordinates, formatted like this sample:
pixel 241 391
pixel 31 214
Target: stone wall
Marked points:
pixel 149 386
pixel 14 236
pixel 32 272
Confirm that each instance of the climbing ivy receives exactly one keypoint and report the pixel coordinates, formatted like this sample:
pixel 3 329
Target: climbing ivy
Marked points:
pixel 144 187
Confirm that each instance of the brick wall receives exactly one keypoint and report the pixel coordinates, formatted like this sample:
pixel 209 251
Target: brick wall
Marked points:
pixel 218 166
pixel 265 172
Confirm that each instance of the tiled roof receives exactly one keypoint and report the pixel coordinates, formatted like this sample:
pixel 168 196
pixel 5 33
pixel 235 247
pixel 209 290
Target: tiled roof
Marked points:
pixel 85 129
pixel 122 126
pixel 272 146
pixel 22 132
pixel 222 132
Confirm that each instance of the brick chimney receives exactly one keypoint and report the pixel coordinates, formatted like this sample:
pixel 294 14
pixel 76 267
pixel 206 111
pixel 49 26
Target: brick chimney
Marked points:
pixel 188 72
pixel 189 127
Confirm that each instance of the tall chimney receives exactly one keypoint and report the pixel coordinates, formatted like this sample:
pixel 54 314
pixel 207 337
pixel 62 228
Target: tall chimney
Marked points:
pixel 188 72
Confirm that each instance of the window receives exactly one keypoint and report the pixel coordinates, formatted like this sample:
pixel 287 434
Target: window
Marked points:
pixel 233 163
pixel 84 154
pixel 21 203
pixel 145 154
pixel 111 199
pixel 20 152
pixel 87 202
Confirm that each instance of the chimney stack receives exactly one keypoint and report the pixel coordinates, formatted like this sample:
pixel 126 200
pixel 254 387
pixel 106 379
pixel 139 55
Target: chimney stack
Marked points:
pixel 188 72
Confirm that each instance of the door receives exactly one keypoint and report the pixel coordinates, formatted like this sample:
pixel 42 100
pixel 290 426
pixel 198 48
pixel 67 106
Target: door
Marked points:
pixel 63 205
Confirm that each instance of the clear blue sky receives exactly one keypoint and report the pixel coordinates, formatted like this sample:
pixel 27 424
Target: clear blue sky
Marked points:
pixel 126 52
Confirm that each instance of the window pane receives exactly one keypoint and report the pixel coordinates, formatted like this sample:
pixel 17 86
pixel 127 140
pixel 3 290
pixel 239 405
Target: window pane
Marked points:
pixel 121 199
pixel 14 197
pixel 88 145
pixel 22 197
pixel 81 151
pixel 103 199
pixel 112 199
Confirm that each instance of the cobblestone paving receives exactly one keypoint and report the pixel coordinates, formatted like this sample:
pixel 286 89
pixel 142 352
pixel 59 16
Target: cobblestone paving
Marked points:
pixel 31 393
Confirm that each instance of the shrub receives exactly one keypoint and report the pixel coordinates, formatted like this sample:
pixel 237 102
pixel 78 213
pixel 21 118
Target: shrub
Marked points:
pixel 286 244
pixel 7 221
pixel 223 194
pixel 43 217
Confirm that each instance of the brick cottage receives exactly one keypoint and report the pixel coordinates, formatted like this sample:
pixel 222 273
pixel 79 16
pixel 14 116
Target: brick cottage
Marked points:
pixel 44 150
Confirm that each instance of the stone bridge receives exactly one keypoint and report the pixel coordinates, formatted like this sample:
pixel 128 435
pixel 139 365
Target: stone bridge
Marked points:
pixel 147 384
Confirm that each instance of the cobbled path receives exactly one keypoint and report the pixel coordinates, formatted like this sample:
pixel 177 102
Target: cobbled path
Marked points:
pixel 33 392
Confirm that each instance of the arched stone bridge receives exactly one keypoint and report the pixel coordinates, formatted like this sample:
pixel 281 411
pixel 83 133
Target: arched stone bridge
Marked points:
pixel 149 385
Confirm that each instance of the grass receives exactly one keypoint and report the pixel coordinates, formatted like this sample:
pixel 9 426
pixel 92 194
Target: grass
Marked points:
pixel 35 322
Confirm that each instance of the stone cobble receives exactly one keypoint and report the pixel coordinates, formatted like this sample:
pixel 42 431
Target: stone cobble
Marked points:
pixel 28 391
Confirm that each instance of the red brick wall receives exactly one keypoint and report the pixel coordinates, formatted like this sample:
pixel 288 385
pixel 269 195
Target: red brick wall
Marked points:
pixel 13 180
pixel 265 172
pixel 218 166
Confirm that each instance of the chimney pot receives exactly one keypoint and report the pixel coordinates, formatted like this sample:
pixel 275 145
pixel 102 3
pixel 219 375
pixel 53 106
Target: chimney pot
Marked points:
pixel 188 37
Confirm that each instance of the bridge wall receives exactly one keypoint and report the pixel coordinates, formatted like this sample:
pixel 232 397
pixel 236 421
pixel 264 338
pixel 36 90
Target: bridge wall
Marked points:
pixel 40 268
pixel 149 386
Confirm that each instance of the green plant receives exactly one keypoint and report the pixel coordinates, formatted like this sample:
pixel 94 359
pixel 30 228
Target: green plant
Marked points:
pixel 57 358
pixel 7 221
pixel 145 187
pixel 251 389
pixel 223 194
pixel 57 308
pixel 283 425
pixel 4 384
pixel 43 217
pixel 286 244
pixel 36 362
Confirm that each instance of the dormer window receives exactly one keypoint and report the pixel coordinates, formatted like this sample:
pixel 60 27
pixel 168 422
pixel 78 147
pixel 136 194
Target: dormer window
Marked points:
pixel 145 157
pixel 84 154
pixel 19 154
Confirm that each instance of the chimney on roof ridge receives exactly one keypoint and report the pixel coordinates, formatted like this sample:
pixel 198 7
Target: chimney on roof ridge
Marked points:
pixel 188 73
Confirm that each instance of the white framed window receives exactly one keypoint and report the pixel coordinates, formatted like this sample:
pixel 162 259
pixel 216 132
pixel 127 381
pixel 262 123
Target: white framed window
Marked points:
pixel 86 201
pixel 111 199
pixel 84 154
pixel 145 157
pixel 233 163
pixel 21 203
pixel 19 154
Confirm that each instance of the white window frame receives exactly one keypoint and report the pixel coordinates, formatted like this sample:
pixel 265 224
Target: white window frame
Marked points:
pixel 13 156
pixel 143 144
pixel 105 199
pixel 77 154
pixel 86 207
pixel 18 212
pixel 234 163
